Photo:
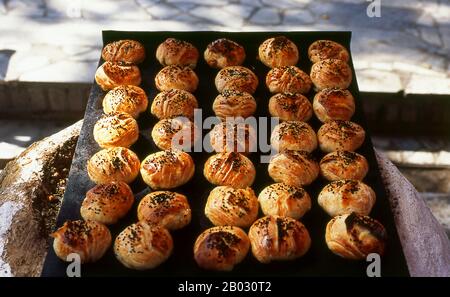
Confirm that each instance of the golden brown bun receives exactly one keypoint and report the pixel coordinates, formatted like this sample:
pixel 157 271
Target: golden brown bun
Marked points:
pixel 236 78
pixel 124 52
pixel 295 168
pixel 110 75
pixel 334 104
pixel 167 169
pixel 234 207
pixel 88 239
pixel 177 52
pixel 290 107
pixel 177 133
pixel 113 164
pixel 223 53
pixel 234 104
pixel 129 99
pixel 176 77
pixel 331 73
pixel 233 137
pixel 284 200
pixel 174 103
pixel 288 79
pixel 278 51
pixel 221 248
pixel 107 203
pixel 340 136
pixel 344 165
pixel 275 238
pixel 229 169
pixel 168 209
pixel 354 237
pixel 293 135
pixel 116 129
pixel 143 246
pixel 326 49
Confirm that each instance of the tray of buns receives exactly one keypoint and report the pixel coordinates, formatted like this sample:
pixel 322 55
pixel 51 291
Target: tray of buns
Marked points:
pixel 157 189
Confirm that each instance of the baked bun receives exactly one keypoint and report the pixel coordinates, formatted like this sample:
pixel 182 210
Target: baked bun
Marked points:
pixel 124 52
pixel 331 73
pixel 284 200
pixel 234 207
pixel 177 133
pixel 353 236
pixel 346 196
pixel 177 52
pixel 167 169
pixel 113 164
pixel 174 103
pixel 236 78
pixel 288 79
pixel 275 238
pixel 116 129
pixel 143 246
pixel 229 169
pixel 167 209
pixel 110 75
pixel 293 135
pixel 176 77
pixel 129 99
pixel 233 137
pixel 334 104
pixel 107 203
pixel 326 49
pixel 278 51
pixel 223 53
pixel 340 136
pixel 295 168
pixel 88 239
pixel 221 248
pixel 343 165
pixel 233 103
pixel 290 107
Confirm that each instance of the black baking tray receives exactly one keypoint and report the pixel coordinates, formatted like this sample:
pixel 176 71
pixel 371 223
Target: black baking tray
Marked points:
pixel 319 261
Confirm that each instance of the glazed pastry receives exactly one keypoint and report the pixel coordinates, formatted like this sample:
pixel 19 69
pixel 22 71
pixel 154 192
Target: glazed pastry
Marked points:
pixel 223 53
pixel 278 51
pixel 110 75
pixel 334 104
pixel 177 133
pixel 167 169
pixel 340 136
pixel 229 169
pixel 293 135
pixel 233 207
pixel 177 52
pixel 124 52
pixel 295 168
pixel 353 236
pixel 347 196
pixel 234 104
pixel 167 209
pixel 129 99
pixel 233 137
pixel 88 239
pixel 290 107
pixel 236 78
pixel 275 238
pixel 284 200
pixel 288 79
pixel 107 203
pixel 221 248
pixel 344 165
pixel 331 73
pixel 326 49
pixel 116 129
pixel 176 77
pixel 174 103
pixel 113 164
pixel 143 246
